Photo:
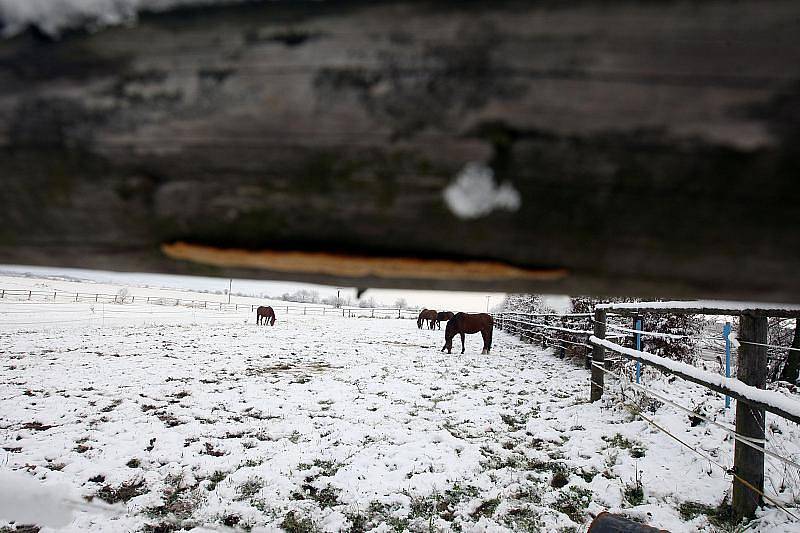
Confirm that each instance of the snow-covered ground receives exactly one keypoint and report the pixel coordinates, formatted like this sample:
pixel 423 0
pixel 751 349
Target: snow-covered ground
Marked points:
pixel 203 419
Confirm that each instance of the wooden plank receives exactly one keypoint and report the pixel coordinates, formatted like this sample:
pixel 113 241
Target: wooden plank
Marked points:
pixel 336 127
pixel 750 420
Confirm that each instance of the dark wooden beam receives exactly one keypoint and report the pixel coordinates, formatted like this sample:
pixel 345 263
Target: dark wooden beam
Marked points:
pixel 654 146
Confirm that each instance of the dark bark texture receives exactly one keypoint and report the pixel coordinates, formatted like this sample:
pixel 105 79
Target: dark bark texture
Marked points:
pixel 654 145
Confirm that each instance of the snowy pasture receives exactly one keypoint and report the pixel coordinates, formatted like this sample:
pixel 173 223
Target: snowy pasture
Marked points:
pixel 202 420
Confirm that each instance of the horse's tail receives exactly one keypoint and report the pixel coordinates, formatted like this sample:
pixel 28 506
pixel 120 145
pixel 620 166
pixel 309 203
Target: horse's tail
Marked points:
pixel 419 322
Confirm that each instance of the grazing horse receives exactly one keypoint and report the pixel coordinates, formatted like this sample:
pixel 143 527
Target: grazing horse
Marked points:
pixel 429 315
pixel 267 313
pixel 463 323
pixel 443 316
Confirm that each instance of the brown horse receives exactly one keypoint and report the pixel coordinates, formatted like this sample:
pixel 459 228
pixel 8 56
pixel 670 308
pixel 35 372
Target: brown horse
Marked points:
pixel 429 315
pixel 267 313
pixel 463 323
pixel 443 316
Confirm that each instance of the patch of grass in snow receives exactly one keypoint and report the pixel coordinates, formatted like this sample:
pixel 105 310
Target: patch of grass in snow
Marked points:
pixel 486 508
pixel 180 501
pixel 294 523
pixel 573 503
pixel 212 451
pixel 376 514
pixel 125 492
pixel 720 516
pixel 326 468
pixel 169 420
pixel 217 477
pixel 523 519
pixel 443 505
pixel 587 474
pixel 514 423
pixel 113 405
pixel 325 497
pixel 249 488
pixel 634 492
pixel 634 447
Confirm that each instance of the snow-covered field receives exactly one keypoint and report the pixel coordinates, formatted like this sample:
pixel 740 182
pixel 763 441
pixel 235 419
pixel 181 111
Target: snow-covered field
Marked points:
pixel 200 419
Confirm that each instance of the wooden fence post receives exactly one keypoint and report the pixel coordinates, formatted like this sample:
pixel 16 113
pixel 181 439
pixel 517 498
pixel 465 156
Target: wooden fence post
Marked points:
pixel 523 329
pixel 748 462
pixel 542 338
pixel 598 355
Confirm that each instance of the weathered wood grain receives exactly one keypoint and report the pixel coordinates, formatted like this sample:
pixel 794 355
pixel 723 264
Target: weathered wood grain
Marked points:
pixel 654 145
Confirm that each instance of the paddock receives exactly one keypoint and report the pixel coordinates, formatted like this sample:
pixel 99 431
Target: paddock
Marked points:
pixel 339 423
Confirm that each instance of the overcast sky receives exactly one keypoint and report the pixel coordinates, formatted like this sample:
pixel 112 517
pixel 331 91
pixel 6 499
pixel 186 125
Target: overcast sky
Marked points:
pixel 440 300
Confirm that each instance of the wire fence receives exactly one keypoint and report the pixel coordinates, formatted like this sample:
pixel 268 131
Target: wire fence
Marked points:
pixel 18 304
pixel 591 335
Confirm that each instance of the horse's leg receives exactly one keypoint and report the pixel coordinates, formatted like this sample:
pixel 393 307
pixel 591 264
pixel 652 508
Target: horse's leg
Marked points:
pixel 462 342
pixel 448 343
pixel 487 341
pixel 258 319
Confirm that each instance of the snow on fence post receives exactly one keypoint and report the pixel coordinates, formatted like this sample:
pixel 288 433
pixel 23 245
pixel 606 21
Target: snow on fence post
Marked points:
pixel 726 332
pixel 748 462
pixel 598 355
pixel 637 325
